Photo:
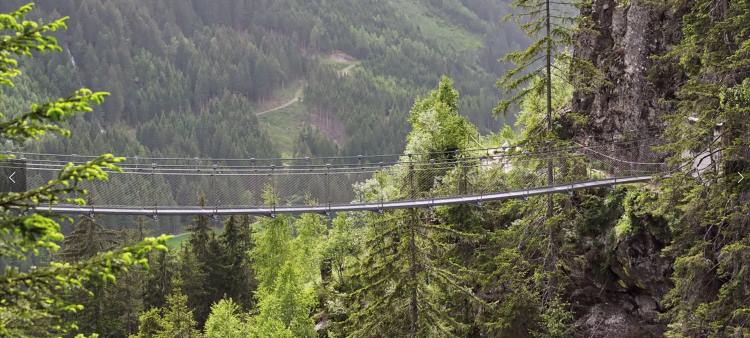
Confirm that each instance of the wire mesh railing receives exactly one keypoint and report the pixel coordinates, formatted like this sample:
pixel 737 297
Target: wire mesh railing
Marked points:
pixel 320 184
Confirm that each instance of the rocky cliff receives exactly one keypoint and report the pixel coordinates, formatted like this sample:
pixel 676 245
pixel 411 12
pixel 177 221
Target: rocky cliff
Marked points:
pixel 622 43
pixel 619 295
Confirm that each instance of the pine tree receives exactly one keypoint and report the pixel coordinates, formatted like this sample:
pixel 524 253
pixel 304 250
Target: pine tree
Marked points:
pixel 178 317
pixel 709 206
pixel 203 268
pixel 237 241
pixel 88 239
pixel 403 276
pixel 158 280
pixel 107 307
pixel 287 269
pixel 552 26
pixel 226 321
pixel 406 271
pixel 173 320
pixel 33 301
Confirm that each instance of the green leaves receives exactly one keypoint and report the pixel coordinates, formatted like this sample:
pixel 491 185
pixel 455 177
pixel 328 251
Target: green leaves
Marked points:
pixel 21 37
pixel 33 302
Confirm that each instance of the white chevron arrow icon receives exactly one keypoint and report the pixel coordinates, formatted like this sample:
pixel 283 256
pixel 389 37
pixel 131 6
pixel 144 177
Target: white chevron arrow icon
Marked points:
pixel 743 177
pixel 11 177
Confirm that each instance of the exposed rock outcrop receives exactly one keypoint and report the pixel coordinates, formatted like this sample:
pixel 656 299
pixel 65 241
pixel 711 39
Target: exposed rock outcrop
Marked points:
pixel 618 290
pixel 619 294
pixel 622 43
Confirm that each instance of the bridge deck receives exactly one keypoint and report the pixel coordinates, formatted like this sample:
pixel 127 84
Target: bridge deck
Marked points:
pixel 423 203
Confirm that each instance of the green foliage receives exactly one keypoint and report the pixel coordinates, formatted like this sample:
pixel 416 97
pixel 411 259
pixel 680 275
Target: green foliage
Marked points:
pixel 225 321
pixel 401 254
pixel 169 60
pixel 32 302
pixel 436 125
pixel 287 268
pixel 174 320
pixel 709 207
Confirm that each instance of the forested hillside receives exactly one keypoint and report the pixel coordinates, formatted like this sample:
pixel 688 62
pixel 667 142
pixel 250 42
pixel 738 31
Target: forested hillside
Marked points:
pixel 198 71
pixel 667 257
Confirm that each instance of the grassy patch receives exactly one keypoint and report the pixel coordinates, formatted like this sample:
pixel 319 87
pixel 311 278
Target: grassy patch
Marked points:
pixel 284 125
pixel 176 241
pixel 280 96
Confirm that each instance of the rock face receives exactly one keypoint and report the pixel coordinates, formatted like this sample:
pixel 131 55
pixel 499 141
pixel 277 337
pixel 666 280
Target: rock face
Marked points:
pixel 617 293
pixel 621 44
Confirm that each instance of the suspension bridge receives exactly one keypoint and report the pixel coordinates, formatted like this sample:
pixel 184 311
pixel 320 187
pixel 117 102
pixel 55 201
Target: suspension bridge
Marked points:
pixel 152 186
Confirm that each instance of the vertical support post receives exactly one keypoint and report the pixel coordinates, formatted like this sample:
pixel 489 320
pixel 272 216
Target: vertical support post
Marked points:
pixel 213 187
pixel 274 195
pixel 153 184
pixel 432 184
pixel 328 185
pixel 361 179
pixel 465 178
pixel 412 172
pixel 381 188
pixel 139 190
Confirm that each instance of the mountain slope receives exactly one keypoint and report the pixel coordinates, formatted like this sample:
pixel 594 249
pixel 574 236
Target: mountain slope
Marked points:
pixel 210 62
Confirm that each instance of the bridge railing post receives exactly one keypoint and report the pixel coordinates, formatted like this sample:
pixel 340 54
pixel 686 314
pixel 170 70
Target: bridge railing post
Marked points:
pixel 412 188
pixel 431 177
pixel 380 183
pixel 328 185
pixel 274 193
pixel 153 187
pixel 361 178
pixel 215 191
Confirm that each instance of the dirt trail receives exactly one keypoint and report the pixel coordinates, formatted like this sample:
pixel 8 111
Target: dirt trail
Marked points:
pixel 345 71
pixel 297 96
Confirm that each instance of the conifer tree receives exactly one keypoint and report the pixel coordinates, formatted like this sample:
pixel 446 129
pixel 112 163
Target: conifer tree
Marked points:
pixel 226 321
pixel 237 241
pixel 552 25
pixel 405 270
pixel 203 268
pixel 88 239
pixel 158 280
pixel 106 306
pixel 707 198
pixel 403 275
pixel 33 302
pixel 285 295
pixel 174 320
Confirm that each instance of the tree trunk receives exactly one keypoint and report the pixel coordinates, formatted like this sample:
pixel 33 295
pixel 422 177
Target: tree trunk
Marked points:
pixel 413 309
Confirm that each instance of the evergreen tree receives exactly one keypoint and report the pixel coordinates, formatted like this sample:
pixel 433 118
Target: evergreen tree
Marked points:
pixel 237 241
pixel 225 321
pixel 33 301
pixel 174 320
pixel 87 239
pixel 405 271
pixel 158 280
pixel 287 269
pixel 707 199
pixel 402 276
pixel 203 268
pixel 107 307
pixel 178 317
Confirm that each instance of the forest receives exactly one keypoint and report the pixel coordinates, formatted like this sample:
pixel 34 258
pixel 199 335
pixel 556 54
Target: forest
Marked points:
pixel 201 65
pixel 667 258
